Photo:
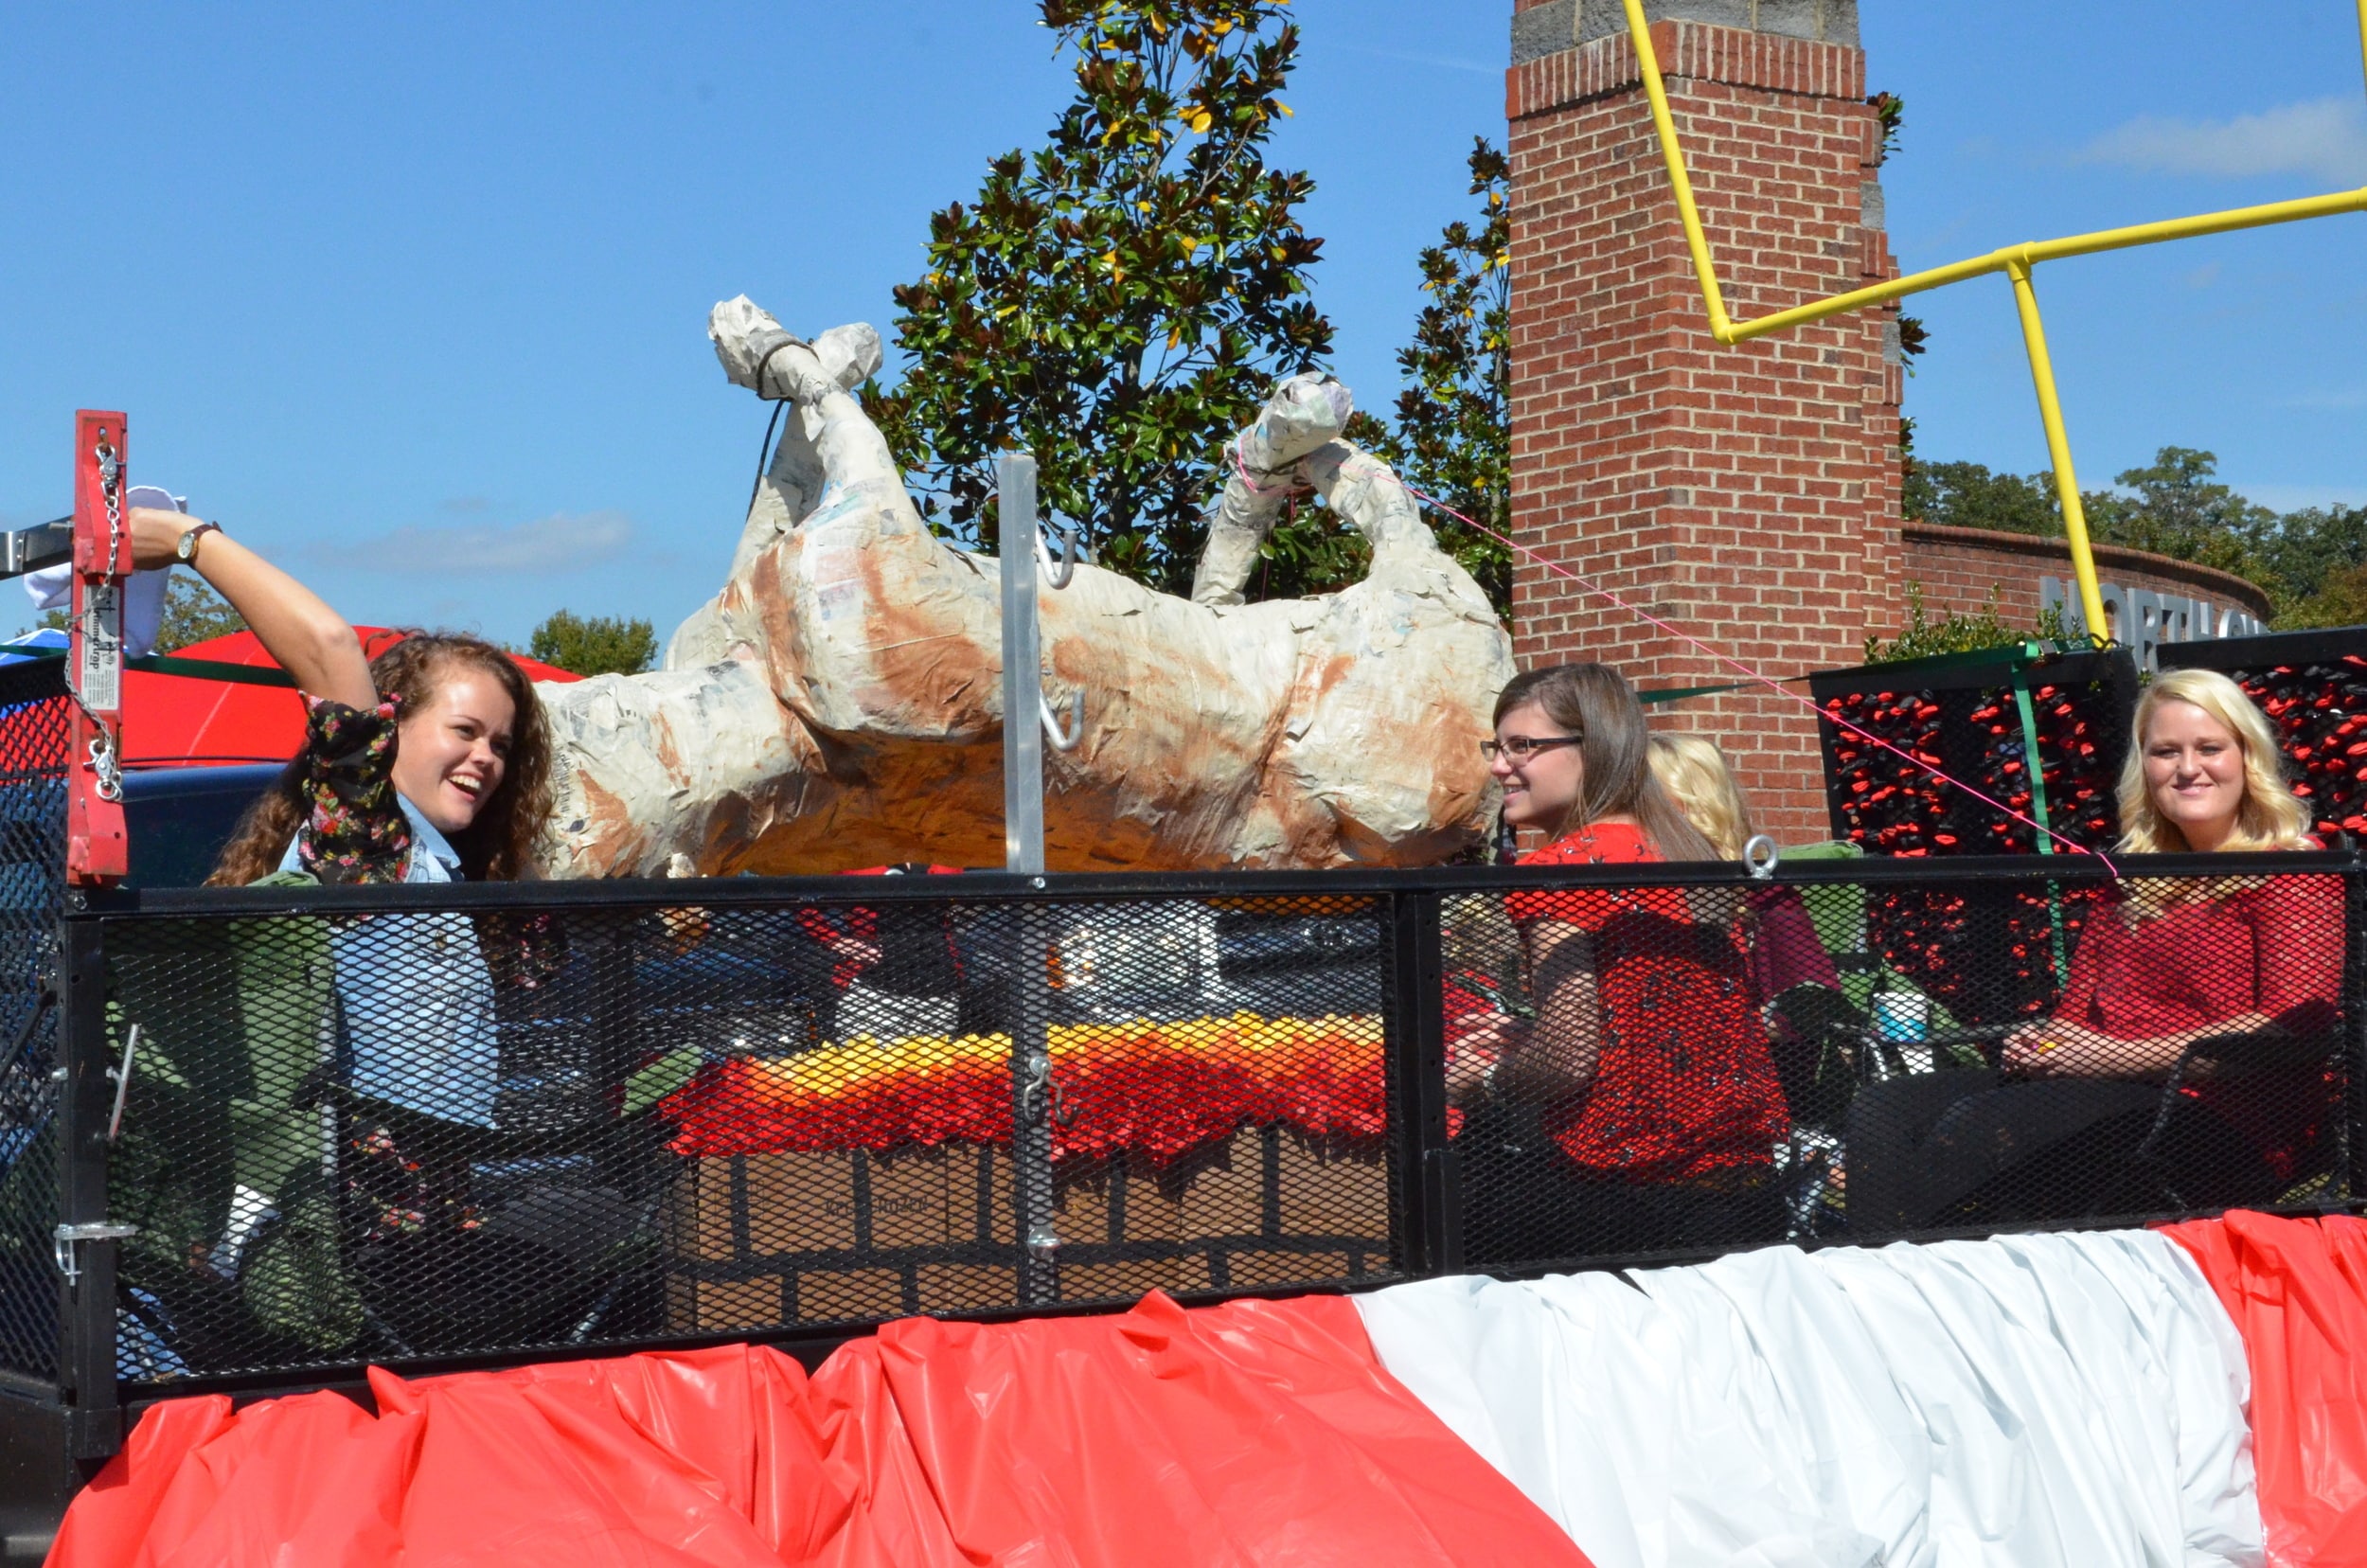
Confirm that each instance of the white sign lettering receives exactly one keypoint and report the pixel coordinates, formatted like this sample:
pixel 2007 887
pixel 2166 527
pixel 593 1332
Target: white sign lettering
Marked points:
pixel 2143 619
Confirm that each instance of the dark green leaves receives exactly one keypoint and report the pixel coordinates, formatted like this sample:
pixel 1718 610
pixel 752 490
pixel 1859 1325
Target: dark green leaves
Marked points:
pixel 2175 506
pixel 1121 300
pixel 594 645
pixel 1454 435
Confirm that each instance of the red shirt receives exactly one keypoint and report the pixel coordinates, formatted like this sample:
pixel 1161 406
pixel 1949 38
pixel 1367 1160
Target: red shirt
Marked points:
pixel 1684 1085
pixel 2272 946
pixel 859 923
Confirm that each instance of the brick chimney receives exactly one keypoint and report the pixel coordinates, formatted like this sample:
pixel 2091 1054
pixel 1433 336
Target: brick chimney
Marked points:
pixel 1746 494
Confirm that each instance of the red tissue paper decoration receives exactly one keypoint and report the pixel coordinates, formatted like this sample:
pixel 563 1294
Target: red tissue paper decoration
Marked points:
pixel 1156 1090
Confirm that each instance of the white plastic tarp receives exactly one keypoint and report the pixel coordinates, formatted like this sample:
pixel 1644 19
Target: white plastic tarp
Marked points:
pixel 2073 1399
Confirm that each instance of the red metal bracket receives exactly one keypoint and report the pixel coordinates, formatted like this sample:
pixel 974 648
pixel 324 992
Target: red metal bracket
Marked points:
pixel 96 848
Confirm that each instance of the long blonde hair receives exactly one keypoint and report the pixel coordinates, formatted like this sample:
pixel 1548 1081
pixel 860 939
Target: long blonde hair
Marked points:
pixel 1595 703
pixel 2270 817
pixel 1694 772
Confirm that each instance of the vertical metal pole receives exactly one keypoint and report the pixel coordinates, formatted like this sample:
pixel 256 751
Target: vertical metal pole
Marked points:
pixel 86 1284
pixel 1429 1199
pixel 2059 449
pixel 1023 851
pixel 96 848
pixel 2363 35
pixel 2354 1002
pixel 1022 668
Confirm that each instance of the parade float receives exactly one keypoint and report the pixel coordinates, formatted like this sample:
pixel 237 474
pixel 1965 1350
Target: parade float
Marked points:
pixel 1153 1248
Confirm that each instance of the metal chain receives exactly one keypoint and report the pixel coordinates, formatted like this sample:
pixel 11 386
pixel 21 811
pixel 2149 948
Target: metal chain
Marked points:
pixel 110 476
pixel 103 760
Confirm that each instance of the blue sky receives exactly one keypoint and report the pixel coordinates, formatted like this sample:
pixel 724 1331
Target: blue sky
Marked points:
pixel 2024 123
pixel 414 298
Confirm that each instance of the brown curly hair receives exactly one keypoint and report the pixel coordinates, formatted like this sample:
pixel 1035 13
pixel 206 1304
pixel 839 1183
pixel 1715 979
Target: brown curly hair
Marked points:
pixel 499 844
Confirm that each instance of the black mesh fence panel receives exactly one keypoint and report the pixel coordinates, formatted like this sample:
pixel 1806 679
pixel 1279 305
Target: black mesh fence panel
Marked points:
pixel 441 1130
pixel 410 1134
pixel 1678 1071
pixel 1975 716
pixel 33 748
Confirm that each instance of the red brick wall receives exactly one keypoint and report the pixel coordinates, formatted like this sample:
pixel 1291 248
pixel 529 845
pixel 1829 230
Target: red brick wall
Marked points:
pixel 1748 494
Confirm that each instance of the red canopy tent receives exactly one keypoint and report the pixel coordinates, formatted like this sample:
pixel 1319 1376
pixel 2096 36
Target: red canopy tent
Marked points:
pixel 181 721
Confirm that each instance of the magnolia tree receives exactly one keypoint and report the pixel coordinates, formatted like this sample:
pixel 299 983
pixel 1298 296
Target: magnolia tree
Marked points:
pixel 1119 300
pixel 839 703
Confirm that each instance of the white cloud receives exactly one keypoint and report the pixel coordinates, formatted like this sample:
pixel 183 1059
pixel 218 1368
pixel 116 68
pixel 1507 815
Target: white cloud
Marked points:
pixel 2324 137
pixel 560 543
pixel 2330 397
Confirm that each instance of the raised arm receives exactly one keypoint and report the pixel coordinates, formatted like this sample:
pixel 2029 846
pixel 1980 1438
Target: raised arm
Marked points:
pixel 312 643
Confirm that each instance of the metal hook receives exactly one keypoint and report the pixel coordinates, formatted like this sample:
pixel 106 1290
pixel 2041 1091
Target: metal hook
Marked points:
pixel 1066 566
pixel 1063 740
pixel 1760 856
pixel 1035 1092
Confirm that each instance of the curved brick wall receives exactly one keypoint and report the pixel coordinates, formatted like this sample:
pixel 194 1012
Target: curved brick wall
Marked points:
pixel 2151 598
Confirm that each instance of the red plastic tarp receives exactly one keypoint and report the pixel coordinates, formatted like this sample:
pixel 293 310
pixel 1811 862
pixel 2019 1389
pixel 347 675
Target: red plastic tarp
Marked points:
pixel 170 719
pixel 2297 1290
pixel 1255 1432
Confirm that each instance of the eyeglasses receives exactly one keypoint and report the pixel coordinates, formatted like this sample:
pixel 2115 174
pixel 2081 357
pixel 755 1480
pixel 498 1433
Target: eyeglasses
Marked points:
pixel 1522 747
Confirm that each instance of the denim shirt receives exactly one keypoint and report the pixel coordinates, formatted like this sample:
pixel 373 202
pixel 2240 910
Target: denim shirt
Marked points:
pixel 417 998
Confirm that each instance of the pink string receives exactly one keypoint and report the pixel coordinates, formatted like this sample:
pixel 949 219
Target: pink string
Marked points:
pixel 1743 669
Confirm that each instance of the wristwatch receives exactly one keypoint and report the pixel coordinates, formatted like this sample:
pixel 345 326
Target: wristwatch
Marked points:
pixel 186 549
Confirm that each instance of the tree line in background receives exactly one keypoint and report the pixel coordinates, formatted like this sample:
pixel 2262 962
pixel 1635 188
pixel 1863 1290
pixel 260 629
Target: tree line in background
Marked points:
pixel 581 645
pixel 2312 563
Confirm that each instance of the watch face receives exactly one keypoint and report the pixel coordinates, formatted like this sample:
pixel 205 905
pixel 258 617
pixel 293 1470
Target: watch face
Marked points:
pixel 186 545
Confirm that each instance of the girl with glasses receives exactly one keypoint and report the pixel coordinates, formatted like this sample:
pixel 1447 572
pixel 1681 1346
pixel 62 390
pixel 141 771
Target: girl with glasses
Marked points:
pixel 1639 1108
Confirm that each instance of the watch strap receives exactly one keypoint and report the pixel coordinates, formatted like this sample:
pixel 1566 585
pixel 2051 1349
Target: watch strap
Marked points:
pixel 187 549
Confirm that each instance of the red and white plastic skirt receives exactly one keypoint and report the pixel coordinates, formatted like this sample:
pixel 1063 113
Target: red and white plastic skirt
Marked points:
pixel 2192 1395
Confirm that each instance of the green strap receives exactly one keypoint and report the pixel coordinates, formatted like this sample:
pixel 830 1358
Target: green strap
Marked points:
pixel 1678 694
pixel 2034 768
pixel 213 669
pixel 194 669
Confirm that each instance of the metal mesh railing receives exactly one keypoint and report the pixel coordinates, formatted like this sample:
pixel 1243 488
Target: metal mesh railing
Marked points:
pixel 34 715
pixel 424 1124
pixel 430 1133
pixel 1883 1057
